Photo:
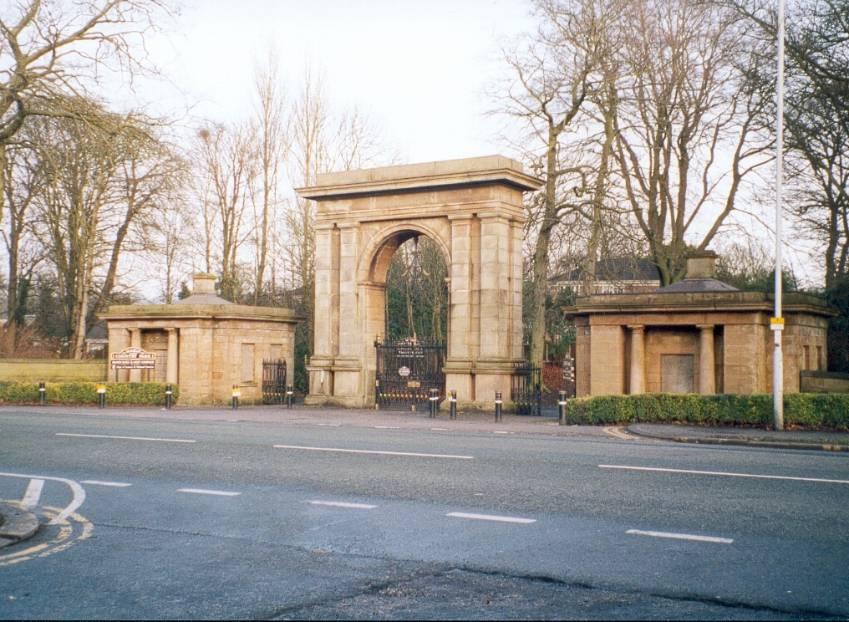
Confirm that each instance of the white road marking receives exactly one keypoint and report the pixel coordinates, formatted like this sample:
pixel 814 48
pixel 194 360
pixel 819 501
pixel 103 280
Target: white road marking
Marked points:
pixel 202 491
pixel 128 438
pixel 329 425
pixel 95 482
pixel 387 427
pixel 32 494
pixel 491 517
pixel 724 474
pixel 76 501
pixel 679 536
pixel 344 504
pixel 500 432
pixel 375 452
pixel 439 429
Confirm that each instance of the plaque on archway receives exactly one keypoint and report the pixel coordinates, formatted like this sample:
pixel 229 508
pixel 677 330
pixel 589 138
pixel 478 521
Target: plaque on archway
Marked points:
pixel 472 211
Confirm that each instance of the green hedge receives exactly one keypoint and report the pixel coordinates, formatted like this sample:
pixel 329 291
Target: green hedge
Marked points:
pixel 809 410
pixel 129 393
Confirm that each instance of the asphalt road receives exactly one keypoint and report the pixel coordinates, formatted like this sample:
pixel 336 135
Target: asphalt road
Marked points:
pixel 195 519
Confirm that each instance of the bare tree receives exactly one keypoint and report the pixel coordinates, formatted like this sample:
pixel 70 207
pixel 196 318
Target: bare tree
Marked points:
pixel 816 117
pixel 98 185
pixel 555 80
pixel 25 177
pixel 272 132
pixel 55 51
pixel 229 160
pixel 683 102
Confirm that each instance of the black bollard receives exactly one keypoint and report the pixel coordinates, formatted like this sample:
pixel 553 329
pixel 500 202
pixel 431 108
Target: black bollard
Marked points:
pixel 236 393
pixel 101 396
pixel 498 403
pixel 290 392
pixel 169 393
pixel 434 402
pixel 453 405
pixel 42 393
pixel 561 408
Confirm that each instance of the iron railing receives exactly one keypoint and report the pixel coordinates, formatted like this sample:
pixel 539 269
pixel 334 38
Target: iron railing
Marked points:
pixel 526 389
pixel 407 369
pixel 274 382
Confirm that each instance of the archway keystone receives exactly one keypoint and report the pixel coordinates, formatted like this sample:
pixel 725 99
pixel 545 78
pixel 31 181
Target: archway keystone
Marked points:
pixel 472 210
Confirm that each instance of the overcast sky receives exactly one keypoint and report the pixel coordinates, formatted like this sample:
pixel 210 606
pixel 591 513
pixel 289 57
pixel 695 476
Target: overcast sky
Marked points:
pixel 417 69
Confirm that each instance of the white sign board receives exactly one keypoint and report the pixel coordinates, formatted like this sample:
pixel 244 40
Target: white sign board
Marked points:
pixel 133 358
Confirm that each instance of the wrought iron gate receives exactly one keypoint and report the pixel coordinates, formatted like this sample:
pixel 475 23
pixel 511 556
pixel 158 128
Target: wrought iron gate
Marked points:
pixel 526 389
pixel 407 369
pixel 273 382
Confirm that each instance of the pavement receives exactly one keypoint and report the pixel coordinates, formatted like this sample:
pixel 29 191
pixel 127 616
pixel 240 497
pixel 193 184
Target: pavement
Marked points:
pixel 753 437
pixel 477 422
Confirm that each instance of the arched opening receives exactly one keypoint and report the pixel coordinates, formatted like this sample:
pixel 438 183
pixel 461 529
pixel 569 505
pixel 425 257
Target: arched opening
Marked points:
pixel 416 299
pixel 412 273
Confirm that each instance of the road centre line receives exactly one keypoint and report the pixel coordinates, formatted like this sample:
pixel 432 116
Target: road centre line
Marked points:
pixel 95 482
pixel 32 494
pixel 723 474
pixel 679 536
pixel 387 427
pixel 76 490
pixel 375 452
pixel 492 517
pixel 203 491
pixel 128 438
pixel 344 504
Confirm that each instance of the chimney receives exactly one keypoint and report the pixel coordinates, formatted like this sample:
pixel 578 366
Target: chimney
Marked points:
pixel 203 283
pixel 701 265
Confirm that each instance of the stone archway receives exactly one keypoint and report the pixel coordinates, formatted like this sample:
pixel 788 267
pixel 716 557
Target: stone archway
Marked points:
pixel 472 210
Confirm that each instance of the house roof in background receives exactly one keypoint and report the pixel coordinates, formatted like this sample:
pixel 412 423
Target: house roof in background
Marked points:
pixel 700 284
pixel 615 269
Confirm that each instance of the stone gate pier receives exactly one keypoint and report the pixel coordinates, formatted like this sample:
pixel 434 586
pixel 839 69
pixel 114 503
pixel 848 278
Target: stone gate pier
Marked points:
pixel 472 209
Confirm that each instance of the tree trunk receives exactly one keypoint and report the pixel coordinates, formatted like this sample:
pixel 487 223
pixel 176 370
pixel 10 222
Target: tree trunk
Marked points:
pixel 540 260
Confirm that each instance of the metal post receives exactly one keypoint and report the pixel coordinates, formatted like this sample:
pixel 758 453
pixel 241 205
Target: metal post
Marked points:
pixel 42 393
pixel 434 402
pixel 101 396
pixel 561 408
pixel 452 412
pixel 290 392
pixel 169 392
pixel 777 323
pixel 497 406
pixel 236 393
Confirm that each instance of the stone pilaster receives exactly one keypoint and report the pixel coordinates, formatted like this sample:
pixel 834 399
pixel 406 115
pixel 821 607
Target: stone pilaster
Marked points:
pixel 350 336
pixel 135 342
pixel 638 360
pixel 460 313
pixel 707 361
pixel 326 280
pixel 171 368
pixel 495 288
pixel 516 326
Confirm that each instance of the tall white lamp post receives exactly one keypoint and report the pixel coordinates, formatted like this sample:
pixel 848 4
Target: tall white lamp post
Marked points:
pixel 777 322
